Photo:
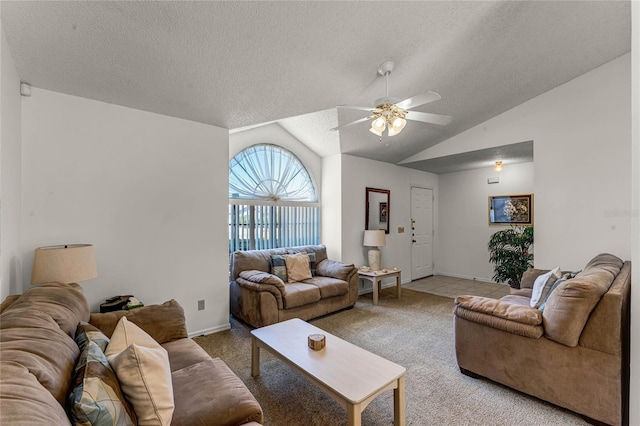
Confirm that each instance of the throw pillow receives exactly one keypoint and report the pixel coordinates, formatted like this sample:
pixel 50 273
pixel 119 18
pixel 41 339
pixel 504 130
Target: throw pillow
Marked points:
pixel 95 397
pixel 278 265
pixel 312 260
pixel 542 285
pixel 142 367
pixel 562 279
pixel 298 267
pixel 312 263
pixel 87 332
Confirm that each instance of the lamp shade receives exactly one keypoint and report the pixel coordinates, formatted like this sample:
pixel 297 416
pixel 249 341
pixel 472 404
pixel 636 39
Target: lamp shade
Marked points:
pixel 64 264
pixel 374 238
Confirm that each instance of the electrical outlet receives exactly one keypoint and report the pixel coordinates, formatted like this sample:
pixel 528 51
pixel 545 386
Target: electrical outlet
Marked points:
pixel 201 305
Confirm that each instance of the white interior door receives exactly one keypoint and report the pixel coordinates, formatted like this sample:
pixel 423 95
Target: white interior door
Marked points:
pixel 422 231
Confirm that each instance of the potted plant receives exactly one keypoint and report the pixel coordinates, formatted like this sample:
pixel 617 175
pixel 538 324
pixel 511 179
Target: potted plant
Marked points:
pixel 509 249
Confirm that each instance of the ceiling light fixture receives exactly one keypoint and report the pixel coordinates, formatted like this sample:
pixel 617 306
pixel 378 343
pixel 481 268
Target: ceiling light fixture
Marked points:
pixel 498 166
pixel 386 114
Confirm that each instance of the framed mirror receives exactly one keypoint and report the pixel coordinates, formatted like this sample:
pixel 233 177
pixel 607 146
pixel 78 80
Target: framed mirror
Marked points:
pixel 378 204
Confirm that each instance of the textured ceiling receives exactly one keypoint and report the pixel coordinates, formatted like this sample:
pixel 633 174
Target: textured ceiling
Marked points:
pixel 237 64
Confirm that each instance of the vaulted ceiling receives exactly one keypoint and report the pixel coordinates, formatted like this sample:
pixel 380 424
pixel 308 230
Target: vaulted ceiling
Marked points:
pixel 238 64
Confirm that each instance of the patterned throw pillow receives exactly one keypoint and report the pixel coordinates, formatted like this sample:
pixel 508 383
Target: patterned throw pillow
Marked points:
pixel 312 263
pixel 87 332
pixel 95 397
pixel 278 265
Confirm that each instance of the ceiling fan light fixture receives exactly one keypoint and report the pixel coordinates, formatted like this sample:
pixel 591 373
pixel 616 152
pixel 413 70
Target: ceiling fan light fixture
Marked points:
pixel 376 131
pixel 379 124
pixel 398 123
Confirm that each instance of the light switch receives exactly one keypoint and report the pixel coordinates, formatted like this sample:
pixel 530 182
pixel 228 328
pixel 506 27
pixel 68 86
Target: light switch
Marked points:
pixel 400 229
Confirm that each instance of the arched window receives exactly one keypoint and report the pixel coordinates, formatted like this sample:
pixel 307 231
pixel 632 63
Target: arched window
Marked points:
pixel 269 172
pixel 272 200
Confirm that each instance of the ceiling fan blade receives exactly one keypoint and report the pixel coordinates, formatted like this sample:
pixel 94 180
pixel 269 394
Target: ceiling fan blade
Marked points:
pixel 351 124
pixel 417 100
pixel 429 118
pixel 356 107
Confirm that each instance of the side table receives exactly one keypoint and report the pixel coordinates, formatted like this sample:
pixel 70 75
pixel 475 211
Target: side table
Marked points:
pixel 375 277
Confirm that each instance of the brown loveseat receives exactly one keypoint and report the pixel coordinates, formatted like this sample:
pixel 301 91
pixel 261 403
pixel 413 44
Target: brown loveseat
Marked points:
pixel 574 353
pixel 259 298
pixel 38 357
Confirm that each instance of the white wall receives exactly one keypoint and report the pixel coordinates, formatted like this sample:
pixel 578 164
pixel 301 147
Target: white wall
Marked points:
pixel 582 176
pixel 331 214
pixel 10 172
pixel 359 173
pixel 464 231
pixel 634 415
pixel 145 189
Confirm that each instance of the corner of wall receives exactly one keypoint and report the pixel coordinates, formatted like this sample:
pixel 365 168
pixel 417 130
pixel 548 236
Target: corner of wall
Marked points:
pixel 10 172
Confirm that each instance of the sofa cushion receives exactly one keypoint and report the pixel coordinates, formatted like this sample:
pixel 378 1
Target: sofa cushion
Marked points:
pixel 299 294
pixel 142 367
pixel 298 267
pixel 319 251
pixel 252 259
pixel 517 319
pixel 542 285
pixel 278 267
pixel 67 308
pixel 332 268
pixel 500 309
pixel 163 323
pixel 569 305
pixel 35 340
pixel 529 277
pixel 329 287
pixel 24 400
pixel 207 392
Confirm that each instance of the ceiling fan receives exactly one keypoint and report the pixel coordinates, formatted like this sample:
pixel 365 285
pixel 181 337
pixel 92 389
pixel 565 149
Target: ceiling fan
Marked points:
pixel 391 114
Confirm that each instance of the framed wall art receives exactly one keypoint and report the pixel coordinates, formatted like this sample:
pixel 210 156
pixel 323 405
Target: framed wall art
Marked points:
pixel 383 212
pixel 511 209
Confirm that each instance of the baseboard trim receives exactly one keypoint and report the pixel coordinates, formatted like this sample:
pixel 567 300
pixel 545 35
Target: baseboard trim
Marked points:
pixel 467 277
pixel 210 330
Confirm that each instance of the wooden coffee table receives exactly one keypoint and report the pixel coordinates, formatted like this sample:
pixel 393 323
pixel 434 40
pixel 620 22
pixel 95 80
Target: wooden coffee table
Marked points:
pixel 346 372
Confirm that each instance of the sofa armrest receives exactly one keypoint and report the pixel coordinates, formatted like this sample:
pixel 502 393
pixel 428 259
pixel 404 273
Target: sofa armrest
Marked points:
pixel 258 281
pixel 335 269
pixel 164 323
pixel 260 277
pixel 515 319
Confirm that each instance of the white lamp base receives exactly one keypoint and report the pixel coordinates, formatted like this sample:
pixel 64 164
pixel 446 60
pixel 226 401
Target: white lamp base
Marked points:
pixel 374 259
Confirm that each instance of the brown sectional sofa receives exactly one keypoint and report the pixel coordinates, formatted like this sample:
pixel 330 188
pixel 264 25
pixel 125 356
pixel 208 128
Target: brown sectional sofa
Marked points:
pixel 259 298
pixel 38 356
pixel 574 353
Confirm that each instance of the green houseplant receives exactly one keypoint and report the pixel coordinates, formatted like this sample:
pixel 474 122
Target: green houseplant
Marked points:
pixel 509 249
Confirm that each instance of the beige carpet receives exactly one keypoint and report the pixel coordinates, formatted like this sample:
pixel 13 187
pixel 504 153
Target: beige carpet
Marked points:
pixel 415 332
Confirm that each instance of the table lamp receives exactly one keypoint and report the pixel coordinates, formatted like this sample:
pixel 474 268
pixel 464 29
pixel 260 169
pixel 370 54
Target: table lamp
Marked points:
pixel 374 239
pixel 67 264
